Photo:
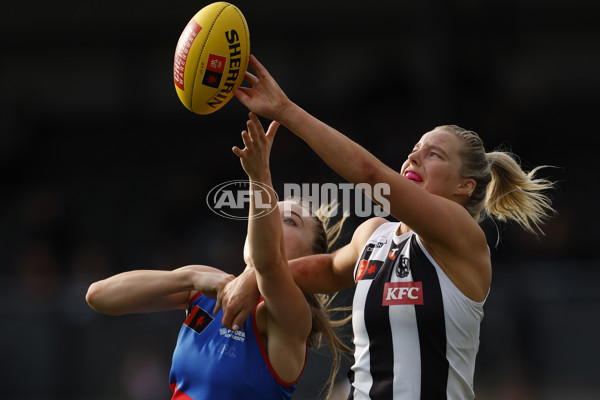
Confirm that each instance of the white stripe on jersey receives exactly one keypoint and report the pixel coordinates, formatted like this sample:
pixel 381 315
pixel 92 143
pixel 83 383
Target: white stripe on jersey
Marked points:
pixel 462 317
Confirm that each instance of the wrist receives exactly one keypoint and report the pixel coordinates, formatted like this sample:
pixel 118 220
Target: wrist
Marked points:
pixel 263 177
pixel 288 113
pixel 186 277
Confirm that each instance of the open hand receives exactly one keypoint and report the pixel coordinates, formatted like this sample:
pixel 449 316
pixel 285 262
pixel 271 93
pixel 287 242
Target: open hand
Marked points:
pixel 264 97
pixel 255 155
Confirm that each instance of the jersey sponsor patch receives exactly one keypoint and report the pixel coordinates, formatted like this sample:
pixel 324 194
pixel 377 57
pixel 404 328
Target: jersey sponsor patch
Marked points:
pixel 367 269
pixel 398 293
pixel 198 319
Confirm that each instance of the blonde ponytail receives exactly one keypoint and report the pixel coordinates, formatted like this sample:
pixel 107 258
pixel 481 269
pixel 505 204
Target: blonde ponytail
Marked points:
pixel 503 190
pixel 516 195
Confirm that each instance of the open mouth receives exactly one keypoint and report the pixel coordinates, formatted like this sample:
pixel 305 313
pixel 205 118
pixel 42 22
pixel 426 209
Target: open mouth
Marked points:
pixel 410 175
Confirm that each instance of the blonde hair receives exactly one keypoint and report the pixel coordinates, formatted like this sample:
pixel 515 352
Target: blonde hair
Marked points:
pixel 503 190
pixel 321 305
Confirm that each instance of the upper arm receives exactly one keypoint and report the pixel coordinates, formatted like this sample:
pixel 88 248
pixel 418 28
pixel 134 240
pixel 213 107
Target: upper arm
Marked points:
pixel 329 273
pixel 455 239
pixel 344 259
pixel 438 220
pixel 175 301
pixel 142 291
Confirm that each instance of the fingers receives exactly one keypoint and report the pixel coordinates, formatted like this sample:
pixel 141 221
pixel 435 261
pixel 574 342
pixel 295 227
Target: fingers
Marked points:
pixel 241 95
pixel 238 322
pixel 247 143
pixel 228 317
pixel 237 151
pixel 254 118
pixel 261 71
pixel 251 79
pixel 234 320
pixel 217 304
pixel 272 129
pixel 253 125
pixel 247 139
pixel 255 128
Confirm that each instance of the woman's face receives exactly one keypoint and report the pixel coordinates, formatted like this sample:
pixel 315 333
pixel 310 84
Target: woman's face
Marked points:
pixel 434 164
pixel 298 231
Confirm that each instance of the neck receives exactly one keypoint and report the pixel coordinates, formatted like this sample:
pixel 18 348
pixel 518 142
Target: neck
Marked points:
pixel 402 229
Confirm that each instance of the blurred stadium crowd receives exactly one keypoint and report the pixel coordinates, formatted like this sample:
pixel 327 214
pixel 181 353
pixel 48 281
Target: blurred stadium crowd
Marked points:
pixel 103 170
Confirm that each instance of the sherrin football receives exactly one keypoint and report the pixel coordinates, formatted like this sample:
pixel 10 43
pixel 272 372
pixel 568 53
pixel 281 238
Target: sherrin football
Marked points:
pixel 211 57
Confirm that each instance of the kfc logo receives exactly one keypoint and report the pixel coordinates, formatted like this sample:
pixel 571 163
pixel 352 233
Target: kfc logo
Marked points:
pixel 396 293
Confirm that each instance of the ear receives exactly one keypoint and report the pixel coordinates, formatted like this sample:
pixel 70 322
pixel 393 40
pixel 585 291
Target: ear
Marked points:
pixel 466 187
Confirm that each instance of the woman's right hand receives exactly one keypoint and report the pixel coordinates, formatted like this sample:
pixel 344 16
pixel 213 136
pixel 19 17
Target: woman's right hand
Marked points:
pixel 239 298
pixel 264 97
pixel 255 155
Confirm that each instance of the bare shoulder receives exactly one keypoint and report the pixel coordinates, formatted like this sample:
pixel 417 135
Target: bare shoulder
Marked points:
pixel 345 258
pixel 466 262
pixel 366 229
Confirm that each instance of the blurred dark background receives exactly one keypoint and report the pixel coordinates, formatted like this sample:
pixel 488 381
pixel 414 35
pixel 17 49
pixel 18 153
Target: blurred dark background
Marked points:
pixel 103 170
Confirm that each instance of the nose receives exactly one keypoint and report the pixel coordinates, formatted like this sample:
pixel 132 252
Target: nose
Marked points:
pixel 414 157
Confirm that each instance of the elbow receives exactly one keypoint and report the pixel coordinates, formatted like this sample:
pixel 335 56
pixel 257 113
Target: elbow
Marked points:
pixel 94 298
pixel 91 297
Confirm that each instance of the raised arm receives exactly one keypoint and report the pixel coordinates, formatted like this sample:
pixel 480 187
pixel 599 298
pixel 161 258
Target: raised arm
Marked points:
pixel 266 99
pixel 286 305
pixel 317 273
pixel 431 216
pixel 143 291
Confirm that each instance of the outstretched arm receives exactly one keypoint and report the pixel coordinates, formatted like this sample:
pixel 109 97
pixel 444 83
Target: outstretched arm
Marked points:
pixel 144 291
pixel 444 225
pixel 287 308
pixel 330 273
pixel 432 217
pixel 317 273
pixel 268 100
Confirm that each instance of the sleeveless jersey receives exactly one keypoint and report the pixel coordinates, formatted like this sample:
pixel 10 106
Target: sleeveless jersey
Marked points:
pixel 416 335
pixel 212 362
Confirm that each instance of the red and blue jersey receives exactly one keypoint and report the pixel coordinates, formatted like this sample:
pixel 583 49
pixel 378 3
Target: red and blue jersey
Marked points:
pixel 211 361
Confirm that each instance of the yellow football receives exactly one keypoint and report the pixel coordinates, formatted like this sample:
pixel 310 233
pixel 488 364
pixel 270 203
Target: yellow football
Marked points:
pixel 211 57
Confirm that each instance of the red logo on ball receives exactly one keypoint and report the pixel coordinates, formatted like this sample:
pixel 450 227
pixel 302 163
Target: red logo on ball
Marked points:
pixel 183 49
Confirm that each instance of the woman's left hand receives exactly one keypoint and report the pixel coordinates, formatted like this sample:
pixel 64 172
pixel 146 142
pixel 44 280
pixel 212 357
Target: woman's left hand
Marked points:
pixel 239 298
pixel 264 97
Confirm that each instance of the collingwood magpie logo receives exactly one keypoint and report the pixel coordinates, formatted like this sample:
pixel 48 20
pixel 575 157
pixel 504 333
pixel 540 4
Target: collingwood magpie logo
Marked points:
pixel 401 262
pixel 402 266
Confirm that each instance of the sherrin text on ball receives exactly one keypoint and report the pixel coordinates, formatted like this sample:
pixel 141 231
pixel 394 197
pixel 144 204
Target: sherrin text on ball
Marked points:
pixel 211 57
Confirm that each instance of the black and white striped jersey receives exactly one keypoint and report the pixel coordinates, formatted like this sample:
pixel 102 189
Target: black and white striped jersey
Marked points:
pixel 416 335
